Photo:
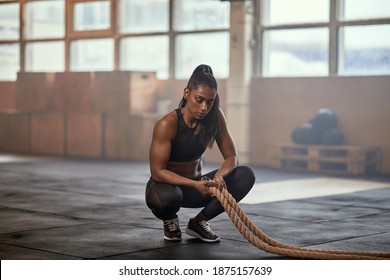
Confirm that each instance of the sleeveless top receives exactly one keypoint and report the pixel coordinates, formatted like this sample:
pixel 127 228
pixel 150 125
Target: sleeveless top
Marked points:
pixel 186 146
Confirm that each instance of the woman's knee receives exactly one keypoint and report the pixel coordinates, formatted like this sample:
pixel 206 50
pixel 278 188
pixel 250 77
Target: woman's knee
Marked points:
pixel 164 200
pixel 241 182
pixel 246 174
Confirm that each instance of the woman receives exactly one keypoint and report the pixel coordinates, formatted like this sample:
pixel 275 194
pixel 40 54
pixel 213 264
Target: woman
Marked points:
pixel 180 138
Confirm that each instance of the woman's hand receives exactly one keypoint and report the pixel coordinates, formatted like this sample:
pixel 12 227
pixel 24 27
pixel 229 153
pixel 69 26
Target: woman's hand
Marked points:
pixel 203 186
pixel 219 181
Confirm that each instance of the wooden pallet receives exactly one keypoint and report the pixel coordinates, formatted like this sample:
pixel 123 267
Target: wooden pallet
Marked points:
pixel 326 159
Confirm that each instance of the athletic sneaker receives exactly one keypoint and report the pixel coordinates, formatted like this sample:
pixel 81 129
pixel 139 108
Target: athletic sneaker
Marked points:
pixel 172 230
pixel 202 231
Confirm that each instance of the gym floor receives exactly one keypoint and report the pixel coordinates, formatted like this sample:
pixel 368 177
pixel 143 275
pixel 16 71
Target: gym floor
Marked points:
pixel 69 209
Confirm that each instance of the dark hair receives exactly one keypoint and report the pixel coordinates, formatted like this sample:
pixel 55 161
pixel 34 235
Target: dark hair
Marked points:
pixel 203 76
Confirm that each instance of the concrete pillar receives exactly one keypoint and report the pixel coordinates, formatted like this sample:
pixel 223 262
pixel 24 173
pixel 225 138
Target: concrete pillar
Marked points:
pixel 238 84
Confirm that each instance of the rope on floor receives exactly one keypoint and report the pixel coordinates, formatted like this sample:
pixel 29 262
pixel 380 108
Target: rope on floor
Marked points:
pixel 262 241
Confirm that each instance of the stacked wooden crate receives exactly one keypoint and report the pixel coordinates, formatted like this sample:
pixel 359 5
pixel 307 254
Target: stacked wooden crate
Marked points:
pixel 340 159
pixel 81 114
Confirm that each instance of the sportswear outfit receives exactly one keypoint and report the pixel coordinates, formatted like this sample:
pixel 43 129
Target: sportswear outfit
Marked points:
pixel 165 199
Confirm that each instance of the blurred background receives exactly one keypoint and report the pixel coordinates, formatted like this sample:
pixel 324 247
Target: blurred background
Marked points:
pixel 89 78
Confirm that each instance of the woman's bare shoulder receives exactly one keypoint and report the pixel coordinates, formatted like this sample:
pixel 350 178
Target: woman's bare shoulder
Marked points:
pixel 168 119
pixel 167 125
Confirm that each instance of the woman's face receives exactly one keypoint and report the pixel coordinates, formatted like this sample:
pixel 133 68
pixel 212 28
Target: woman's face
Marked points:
pixel 200 101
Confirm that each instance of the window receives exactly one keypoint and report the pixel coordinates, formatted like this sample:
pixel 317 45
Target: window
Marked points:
pixel 44 19
pixel 201 14
pixel 92 55
pixel 91 16
pixel 365 50
pixel 364 9
pixel 45 57
pixel 202 36
pixel 43 33
pixel 138 52
pixel 208 48
pixel 9 21
pixel 364 41
pixel 296 52
pixel 147 53
pixel 323 37
pixel 169 37
pixel 140 16
pixel 9 61
pixel 9 38
pixel 295 11
pixel 295 38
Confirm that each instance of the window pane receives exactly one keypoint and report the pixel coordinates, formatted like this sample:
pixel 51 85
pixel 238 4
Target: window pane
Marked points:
pixel 364 9
pixel 296 52
pixel 201 14
pixel 9 61
pixel 195 49
pixel 92 55
pixel 145 54
pixel 44 19
pixel 296 11
pixel 45 57
pixel 92 15
pixel 137 16
pixel 366 50
pixel 9 21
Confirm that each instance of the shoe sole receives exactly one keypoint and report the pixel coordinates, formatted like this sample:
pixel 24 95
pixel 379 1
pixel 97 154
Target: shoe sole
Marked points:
pixel 195 234
pixel 172 238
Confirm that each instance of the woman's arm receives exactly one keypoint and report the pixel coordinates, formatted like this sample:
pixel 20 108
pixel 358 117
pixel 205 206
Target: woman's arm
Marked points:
pixel 228 150
pixel 160 149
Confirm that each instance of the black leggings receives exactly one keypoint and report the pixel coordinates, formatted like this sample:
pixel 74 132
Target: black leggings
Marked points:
pixel 165 200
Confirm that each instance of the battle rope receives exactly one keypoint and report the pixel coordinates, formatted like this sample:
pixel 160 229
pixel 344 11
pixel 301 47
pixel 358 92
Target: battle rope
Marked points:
pixel 262 241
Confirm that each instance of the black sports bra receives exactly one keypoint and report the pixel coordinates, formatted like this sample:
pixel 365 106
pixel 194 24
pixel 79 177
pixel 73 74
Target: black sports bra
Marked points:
pixel 186 146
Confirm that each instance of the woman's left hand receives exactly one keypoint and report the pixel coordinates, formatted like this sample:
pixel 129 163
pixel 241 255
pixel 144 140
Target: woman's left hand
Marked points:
pixel 220 182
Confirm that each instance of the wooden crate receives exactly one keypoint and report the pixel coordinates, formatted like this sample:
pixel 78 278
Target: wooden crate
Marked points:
pixel 326 159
